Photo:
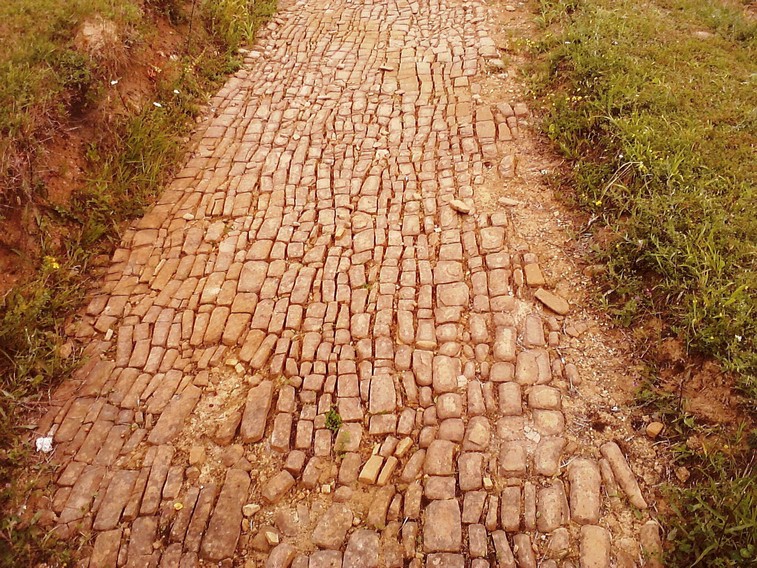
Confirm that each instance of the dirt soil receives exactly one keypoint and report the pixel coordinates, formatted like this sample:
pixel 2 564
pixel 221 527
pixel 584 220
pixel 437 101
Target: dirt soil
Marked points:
pixel 129 72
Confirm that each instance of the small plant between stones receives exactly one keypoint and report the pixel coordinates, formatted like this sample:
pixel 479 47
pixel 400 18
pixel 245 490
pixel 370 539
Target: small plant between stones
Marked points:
pixel 333 420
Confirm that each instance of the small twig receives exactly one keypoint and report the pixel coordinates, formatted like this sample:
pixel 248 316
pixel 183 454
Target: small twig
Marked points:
pixel 191 22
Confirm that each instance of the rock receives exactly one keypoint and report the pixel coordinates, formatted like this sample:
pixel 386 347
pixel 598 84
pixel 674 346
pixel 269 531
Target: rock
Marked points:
pixel 651 545
pixel 440 458
pixel 362 550
pixel 534 276
pixel 323 559
pixel 654 429
pixel 197 455
pixel 623 474
pixel 445 560
pixel 281 556
pixel 277 486
pixel 502 549
pixel 172 418
pixel 594 547
pixel 332 527
pixel 442 528
pixel 552 301
pixel 508 202
pixel 507 166
pixel 552 508
pixel 256 411
pixel 376 517
pixel 223 531
pixel 99 38
pixel 683 474
pixel 105 550
pixel 585 485
pixel 460 206
pixel 370 472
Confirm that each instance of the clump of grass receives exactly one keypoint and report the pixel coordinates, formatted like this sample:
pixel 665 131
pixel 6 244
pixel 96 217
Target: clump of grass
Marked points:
pixel 652 104
pixel 658 121
pixel 236 21
pixel 333 420
pixel 712 519
pixel 42 77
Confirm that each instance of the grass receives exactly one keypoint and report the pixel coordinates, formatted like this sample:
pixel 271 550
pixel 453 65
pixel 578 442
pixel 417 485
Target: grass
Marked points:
pixel 710 516
pixel 653 106
pixel 44 80
pixel 659 124
pixel 333 420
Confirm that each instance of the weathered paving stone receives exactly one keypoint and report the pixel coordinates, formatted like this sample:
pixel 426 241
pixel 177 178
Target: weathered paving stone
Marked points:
pixel 225 524
pixel 651 544
pixel 513 460
pixel 172 419
pixel 585 485
pixel 281 556
pixel 623 474
pixel 143 534
pixel 277 486
pixel 199 519
pixel 332 528
pixel 552 301
pixel 106 549
pixel 382 498
pixel 477 541
pixel 442 527
pixel 256 411
pixel 594 547
pixel 547 455
pixel 552 507
pixel 502 549
pixel 439 458
pixel 323 559
pixel 362 550
pixel 445 560
pixel 470 471
pixel 559 543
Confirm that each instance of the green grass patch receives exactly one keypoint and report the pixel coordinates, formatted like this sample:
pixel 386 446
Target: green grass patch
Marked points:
pixel 654 106
pixel 41 77
pixel 710 517
pixel 236 21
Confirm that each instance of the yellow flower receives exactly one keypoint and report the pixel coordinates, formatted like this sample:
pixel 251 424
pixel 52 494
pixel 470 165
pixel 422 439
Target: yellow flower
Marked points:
pixel 51 262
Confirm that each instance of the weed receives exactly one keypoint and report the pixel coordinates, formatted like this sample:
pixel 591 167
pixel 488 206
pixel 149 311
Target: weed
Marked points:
pixel 333 420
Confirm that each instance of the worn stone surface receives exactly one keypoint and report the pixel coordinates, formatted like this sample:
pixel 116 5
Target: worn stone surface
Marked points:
pixel 329 344
pixel 443 528
pixel 362 550
pixel 332 527
pixel 225 524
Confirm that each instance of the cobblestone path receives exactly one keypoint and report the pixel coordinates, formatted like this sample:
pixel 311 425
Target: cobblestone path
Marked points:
pixel 314 352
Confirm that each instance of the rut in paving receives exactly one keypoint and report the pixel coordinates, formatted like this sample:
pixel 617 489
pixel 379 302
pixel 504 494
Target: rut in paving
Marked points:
pixel 314 352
